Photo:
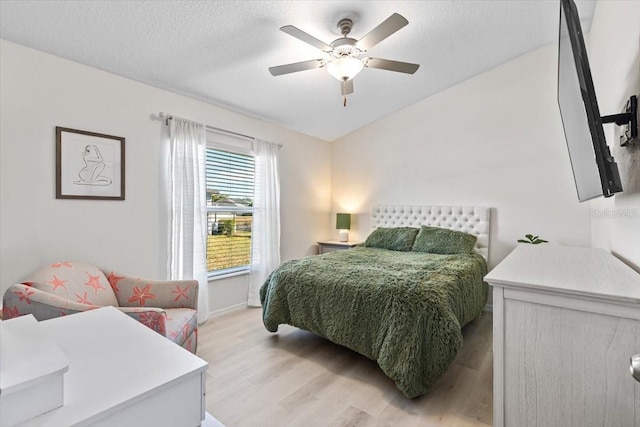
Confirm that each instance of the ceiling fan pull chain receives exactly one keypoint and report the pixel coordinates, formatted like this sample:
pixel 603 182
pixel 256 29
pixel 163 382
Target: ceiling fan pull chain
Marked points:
pixel 344 103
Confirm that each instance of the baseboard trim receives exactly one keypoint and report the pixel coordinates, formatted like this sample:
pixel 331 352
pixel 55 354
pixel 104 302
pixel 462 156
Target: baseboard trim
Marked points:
pixel 222 311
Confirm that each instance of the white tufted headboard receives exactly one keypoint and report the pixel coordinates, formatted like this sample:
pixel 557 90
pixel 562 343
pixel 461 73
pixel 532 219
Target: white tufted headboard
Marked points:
pixel 470 219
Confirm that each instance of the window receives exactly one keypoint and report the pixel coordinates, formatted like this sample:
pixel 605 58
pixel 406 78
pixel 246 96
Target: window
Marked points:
pixel 230 178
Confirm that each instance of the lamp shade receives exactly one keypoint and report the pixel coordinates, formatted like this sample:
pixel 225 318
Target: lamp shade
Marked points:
pixel 344 68
pixel 343 221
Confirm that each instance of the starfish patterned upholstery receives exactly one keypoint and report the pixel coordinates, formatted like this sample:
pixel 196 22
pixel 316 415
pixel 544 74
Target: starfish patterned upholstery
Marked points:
pixel 166 306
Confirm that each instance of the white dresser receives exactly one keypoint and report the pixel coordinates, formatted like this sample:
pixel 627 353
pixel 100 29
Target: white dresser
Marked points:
pixel 122 373
pixel 566 323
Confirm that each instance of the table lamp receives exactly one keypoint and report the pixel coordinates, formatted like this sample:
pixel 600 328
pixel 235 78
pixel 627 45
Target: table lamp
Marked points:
pixel 343 223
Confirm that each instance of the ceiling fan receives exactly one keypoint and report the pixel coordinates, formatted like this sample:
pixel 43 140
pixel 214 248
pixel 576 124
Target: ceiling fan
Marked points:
pixel 346 56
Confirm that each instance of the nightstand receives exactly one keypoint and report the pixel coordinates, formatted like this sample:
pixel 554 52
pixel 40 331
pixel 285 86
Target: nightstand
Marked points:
pixel 334 245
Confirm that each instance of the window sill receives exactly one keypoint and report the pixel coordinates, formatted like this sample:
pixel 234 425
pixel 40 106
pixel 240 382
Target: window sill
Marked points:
pixel 214 277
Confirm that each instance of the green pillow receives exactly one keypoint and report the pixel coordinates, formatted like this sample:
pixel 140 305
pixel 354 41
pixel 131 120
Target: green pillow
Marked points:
pixel 393 239
pixel 437 240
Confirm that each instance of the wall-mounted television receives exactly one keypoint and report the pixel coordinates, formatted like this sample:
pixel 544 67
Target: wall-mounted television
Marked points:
pixel 594 170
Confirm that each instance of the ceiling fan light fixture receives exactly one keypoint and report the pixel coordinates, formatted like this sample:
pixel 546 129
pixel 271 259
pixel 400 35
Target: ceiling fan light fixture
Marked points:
pixel 345 57
pixel 344 68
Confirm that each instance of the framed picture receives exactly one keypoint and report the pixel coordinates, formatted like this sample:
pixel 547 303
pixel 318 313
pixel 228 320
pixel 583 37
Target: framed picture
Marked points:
pixel 89 165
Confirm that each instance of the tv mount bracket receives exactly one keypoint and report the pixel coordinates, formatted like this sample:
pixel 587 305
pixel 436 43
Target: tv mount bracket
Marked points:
pixel 628 118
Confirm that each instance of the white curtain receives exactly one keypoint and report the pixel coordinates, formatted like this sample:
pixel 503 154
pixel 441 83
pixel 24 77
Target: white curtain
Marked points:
pixel 265 235
pixel 187 213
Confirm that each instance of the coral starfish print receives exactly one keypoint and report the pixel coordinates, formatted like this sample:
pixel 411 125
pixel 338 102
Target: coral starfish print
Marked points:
pixel 180 293
pixel 61 264
pixel 154 321
pixel 141 295
pixel 57 283
pixel 94 282
pixel 83 299
pixel 113 281
pixel 8 313
pixel 150 319
pixel 25 296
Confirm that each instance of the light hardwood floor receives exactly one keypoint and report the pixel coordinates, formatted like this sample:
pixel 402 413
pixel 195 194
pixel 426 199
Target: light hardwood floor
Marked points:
pixel 294 378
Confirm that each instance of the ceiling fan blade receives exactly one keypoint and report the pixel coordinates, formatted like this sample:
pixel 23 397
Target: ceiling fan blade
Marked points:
pixel 382 31
pixel 301 35
pixel 386 64
pixel 346 87
pixel 295 67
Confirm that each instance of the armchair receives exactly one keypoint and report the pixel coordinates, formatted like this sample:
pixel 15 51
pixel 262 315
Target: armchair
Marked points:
pixel 60 289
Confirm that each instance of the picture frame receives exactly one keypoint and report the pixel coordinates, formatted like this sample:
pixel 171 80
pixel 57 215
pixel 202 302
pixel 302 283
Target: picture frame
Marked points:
pixel 89 165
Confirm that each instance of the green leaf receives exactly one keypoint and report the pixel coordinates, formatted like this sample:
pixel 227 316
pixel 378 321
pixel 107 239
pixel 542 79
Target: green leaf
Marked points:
pixel 535 240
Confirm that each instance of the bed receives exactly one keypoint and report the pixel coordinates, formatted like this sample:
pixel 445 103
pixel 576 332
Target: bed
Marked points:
pixel 403 308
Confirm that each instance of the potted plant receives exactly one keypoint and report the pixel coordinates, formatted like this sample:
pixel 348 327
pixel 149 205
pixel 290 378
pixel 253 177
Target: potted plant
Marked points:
pixel 534 240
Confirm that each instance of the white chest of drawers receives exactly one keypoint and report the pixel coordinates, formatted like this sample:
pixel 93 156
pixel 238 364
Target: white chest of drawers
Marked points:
pixel 122 373
pixel 566 323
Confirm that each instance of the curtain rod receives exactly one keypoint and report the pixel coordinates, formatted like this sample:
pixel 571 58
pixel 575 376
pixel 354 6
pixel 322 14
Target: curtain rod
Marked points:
pixel 168 117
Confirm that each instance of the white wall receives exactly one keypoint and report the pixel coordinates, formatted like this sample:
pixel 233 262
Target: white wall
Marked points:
pixel 614 55
pixel 40 92
pixel 495 140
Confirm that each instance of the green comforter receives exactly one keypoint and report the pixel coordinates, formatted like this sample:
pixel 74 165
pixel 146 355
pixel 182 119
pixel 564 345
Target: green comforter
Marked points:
pixel 402 309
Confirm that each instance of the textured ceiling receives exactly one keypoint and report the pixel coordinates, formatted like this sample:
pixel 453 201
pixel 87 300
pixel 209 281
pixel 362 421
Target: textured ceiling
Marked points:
pixel 219 51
